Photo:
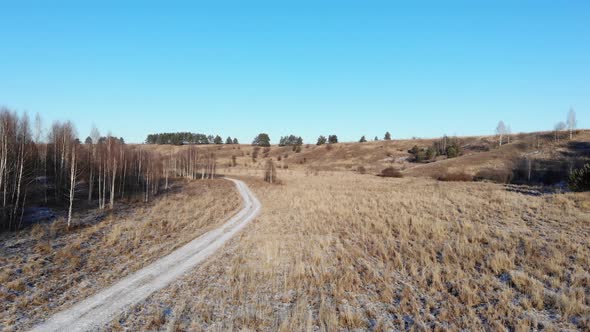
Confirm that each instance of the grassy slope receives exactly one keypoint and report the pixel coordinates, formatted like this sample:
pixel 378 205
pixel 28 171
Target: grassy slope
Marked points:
pixel 47 268
pixel 344 251
pixel 480 152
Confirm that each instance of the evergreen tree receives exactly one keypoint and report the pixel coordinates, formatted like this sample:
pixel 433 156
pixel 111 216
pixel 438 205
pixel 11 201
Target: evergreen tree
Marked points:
pixel 88 140
pixel 363 139
pixel 228 140
pixel 452 151
pixel 332 139
pixel 376 138
pixel 218 140
pixel 579 179
pixel 418 154
pixel 322 140
pixel 387 136
pixel 235 141
pixel 261 140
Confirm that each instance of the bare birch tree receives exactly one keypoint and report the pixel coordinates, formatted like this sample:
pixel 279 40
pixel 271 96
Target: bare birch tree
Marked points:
pixel 501 130
pixel 95 137
pixel 571 122
pixel 73 176
pixel 558 128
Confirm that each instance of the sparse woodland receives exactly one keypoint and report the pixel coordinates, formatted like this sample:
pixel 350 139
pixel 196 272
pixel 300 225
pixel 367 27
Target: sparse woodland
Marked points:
pixel 55 168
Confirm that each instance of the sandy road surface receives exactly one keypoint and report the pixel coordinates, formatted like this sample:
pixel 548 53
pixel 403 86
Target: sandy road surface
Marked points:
pixel 94 312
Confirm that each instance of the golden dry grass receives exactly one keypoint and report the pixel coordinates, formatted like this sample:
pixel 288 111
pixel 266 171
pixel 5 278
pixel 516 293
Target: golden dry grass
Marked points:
pixel 49 268
pixel 480 152
pixel 341 251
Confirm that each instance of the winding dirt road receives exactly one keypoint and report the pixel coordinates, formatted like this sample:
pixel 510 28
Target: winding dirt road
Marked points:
pixel 96 311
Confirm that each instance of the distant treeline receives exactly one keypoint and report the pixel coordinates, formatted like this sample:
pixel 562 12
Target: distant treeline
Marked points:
pixel 290 140
pixel 187 138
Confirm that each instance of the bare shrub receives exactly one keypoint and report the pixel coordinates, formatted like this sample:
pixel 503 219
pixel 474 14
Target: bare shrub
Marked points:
pixel 255 152
pixel 494 175
pixel 455 177
pixel 391 172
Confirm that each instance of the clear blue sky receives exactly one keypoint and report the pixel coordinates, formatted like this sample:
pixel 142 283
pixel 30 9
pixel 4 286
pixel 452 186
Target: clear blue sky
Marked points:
pixel 352 68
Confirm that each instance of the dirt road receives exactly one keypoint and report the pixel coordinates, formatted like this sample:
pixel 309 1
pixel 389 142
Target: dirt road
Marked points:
pixel 94 312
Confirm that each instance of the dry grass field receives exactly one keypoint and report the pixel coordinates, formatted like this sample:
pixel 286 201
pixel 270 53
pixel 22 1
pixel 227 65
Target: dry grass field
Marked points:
pixel 341 251
pixel 478 152
pixel 46 268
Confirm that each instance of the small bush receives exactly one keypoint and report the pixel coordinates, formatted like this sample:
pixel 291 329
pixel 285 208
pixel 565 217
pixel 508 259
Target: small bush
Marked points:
pixel 456 177
pixel 494 175
pixel 361 170
pixel 255 152
pixel 452 151
pixel 430 153
pixel 391 172
pixel 579 180
pixel 420 155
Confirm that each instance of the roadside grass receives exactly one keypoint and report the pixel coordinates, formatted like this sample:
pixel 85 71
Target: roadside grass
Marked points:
pixel 47 268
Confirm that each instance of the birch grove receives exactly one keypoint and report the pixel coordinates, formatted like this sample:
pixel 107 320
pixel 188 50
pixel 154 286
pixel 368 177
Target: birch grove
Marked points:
pixel 54 168
pixel 57 169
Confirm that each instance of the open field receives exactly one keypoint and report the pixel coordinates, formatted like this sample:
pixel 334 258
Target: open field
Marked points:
pixel 342 251
pixel 45 269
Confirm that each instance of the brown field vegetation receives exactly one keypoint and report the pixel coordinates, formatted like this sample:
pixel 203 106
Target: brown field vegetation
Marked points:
pixel 343 251
pixel 46 268
pixel 419 247
pixel 479 154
